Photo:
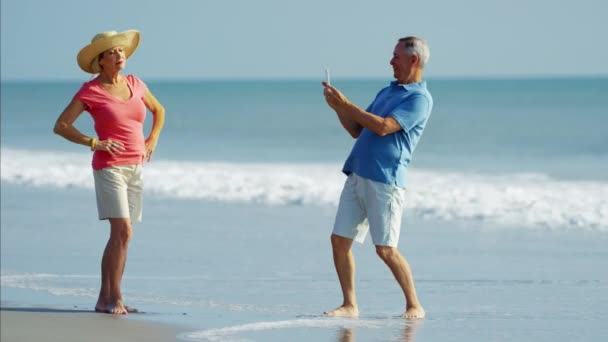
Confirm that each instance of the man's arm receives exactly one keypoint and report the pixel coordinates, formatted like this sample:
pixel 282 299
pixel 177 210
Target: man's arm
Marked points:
pixel 352 127
pixel 356 116
pixel 376 124
pixel 349 124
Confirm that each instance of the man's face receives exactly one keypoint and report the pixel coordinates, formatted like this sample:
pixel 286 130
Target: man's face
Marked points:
pixel 401 63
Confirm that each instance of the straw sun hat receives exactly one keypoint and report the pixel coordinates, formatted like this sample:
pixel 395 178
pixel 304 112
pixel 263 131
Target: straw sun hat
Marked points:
pixel 87 57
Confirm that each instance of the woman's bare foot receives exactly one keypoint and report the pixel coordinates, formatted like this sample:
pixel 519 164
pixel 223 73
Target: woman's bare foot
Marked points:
pixel 414 312
pixel 344 311
pixel 117 308
pixel 100 306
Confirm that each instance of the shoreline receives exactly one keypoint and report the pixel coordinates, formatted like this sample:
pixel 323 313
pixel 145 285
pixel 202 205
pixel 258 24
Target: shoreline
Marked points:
pixel 477 281
pixel 47 324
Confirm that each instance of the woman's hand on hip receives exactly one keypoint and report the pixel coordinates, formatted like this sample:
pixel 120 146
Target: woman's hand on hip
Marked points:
pixel 150 146
pixel 111 146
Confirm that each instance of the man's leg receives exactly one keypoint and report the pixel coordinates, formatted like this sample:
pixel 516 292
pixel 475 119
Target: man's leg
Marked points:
pixel 113 265
pixel 403 274
pixel 345 267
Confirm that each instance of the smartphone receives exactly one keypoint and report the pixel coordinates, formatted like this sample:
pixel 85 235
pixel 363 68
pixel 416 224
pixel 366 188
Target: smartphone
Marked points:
pixel 327 78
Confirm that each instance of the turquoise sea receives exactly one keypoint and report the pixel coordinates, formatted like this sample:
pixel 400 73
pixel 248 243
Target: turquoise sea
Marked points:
pixel 506 222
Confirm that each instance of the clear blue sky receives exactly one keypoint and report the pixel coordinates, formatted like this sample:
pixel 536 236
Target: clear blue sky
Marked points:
pixel 235 39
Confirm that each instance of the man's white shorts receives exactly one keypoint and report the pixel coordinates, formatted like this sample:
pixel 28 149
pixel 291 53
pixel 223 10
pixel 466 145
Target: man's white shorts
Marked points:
pixel 119 192
pixel 369 205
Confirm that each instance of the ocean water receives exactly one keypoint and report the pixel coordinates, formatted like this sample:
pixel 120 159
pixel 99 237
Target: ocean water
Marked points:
pixel 506 222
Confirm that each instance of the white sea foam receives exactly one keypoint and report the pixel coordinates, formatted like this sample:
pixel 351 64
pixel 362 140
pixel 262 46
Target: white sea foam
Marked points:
pixel 54 284
pixel 531 200
pixel 86 286
pixel 229 333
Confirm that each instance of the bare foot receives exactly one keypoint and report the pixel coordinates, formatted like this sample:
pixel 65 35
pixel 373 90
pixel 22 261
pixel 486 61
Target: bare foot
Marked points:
pixel 117 308
pixel 414 312
pixel 344 311
pixel 100 306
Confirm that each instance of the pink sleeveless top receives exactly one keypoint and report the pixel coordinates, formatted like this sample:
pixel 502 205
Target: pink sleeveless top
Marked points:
pixel 117 120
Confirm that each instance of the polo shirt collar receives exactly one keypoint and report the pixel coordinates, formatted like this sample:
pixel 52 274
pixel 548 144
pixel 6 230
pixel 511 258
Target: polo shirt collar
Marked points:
pixel 410 86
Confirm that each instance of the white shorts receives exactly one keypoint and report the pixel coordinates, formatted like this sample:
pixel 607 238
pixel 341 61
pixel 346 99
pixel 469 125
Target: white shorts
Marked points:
pixel 369 205
pixel 119 192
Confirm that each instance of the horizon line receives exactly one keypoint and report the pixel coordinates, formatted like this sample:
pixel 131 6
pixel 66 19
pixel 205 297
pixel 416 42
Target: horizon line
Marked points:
pixel 355 78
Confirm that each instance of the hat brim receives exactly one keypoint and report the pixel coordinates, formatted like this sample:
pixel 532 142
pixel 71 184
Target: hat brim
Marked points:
pixel 129 40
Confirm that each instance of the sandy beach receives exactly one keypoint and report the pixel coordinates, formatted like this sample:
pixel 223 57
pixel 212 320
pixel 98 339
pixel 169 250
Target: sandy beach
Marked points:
pixel 39 324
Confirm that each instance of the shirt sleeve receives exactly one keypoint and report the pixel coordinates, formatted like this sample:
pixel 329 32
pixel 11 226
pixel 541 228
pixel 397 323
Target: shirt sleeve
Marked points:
pixel 411 112
pixel 84 95
pixel 139 87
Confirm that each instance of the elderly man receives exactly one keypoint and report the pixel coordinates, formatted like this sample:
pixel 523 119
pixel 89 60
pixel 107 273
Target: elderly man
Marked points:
pixel 373 196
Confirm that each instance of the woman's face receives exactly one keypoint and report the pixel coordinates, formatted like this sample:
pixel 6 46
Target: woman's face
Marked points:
pixel 113 59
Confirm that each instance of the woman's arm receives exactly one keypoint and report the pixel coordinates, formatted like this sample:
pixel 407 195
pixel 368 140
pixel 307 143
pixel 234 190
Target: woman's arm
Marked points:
pixel 158 111
pixel 65 127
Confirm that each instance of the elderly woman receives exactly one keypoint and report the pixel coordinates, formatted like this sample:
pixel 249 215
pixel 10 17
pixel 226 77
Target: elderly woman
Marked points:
pixel 117 105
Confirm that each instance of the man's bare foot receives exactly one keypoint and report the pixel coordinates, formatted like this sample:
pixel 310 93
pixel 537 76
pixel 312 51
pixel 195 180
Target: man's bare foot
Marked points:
pixel 344 311
pixel 414 312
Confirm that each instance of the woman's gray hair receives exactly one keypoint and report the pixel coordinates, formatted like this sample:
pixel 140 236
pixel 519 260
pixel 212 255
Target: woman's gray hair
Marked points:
pixel 418 47
pixel 95 67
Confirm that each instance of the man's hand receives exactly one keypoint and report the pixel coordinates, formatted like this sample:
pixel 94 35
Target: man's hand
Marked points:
pixel 335 99
pixel 340 104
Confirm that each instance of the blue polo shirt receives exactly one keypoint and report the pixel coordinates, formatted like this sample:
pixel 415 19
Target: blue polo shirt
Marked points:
pixel 385 159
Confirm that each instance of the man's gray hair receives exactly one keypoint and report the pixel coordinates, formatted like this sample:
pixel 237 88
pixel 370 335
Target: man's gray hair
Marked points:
pixel 418 47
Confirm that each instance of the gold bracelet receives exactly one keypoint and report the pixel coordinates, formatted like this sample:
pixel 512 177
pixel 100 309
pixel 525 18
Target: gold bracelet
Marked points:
pixel 93 144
